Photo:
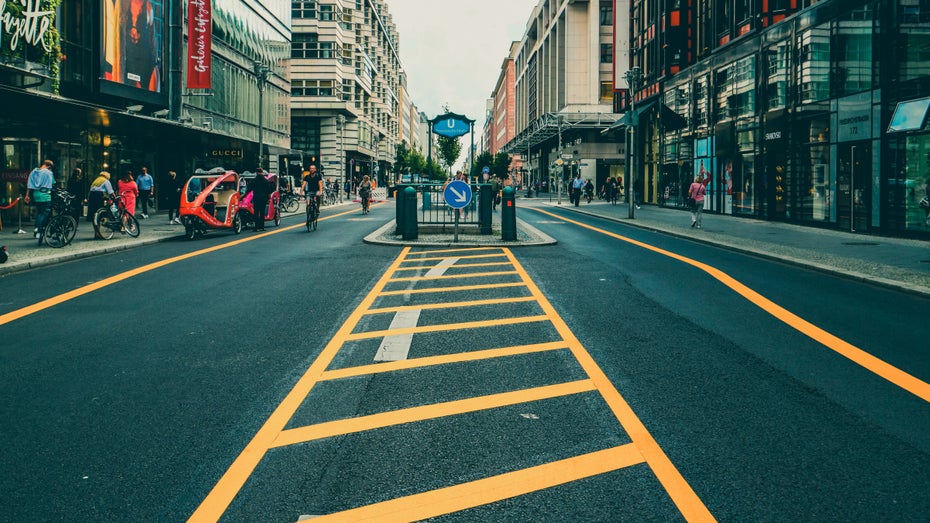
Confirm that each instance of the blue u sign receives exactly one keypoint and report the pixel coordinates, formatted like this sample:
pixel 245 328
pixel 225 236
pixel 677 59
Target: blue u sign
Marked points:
pixel 451 128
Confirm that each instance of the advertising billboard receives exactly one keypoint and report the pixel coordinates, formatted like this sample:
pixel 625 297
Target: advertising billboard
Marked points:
pixel 133 51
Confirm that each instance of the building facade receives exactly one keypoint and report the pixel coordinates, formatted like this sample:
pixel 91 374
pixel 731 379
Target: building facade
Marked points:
pixel 103 86
pixel 564 93
pixel 808 112
pixel 347 98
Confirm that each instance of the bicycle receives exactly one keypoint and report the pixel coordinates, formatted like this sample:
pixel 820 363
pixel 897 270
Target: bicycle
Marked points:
pixel 289 201
pixel 109 218
pixel 313 212
pixel 330 196
pixel 61 226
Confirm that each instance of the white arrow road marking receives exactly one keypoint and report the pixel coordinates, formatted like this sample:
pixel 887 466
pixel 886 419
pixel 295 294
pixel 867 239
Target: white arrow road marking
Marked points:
pixel 396 348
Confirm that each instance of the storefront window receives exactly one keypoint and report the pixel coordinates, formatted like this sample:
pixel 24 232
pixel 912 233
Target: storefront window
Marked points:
pixel 809 187
pixel 917 185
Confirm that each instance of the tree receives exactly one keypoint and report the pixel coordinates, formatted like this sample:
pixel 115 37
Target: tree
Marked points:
pixel 482 160
pixel 501 164
pixel 402 159
pixel 449 151
pixel 416 162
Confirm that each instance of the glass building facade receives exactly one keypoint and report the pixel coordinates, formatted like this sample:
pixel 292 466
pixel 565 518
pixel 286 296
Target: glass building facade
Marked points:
pixel 793 121
pixel 83 96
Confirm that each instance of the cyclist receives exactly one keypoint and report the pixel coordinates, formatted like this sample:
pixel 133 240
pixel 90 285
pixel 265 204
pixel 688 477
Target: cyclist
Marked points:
pixel 312 186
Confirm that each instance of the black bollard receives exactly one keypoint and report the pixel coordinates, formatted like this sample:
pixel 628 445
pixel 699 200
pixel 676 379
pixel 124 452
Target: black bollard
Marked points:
pixel 411 231
pixel 484 209
pixel 508 215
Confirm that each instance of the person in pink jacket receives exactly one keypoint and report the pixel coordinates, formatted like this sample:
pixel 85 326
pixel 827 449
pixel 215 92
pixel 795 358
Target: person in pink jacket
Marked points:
pixel 128 191
pixel 696 194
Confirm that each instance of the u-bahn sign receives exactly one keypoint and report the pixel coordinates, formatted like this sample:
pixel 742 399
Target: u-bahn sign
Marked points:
pixel 451 125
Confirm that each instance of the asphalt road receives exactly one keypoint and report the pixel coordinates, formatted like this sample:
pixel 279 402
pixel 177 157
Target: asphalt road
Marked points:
pixel 595 380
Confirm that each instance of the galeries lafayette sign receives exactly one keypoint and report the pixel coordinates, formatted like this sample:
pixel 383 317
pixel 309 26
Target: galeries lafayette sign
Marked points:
pixel 23 20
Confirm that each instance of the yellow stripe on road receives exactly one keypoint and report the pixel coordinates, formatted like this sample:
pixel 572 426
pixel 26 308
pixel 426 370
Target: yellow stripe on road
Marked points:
pixel 455 276
pixel 87 289
pixel 453 289
pixel 446 327
pixel 877 366
pixel 427 412
pixel 452 305
pixel 490 490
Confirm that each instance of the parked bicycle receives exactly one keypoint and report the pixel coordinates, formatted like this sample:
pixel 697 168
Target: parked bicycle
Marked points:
pixel 61 226
pixel 113 217
pixel 330 195
pixel 289 201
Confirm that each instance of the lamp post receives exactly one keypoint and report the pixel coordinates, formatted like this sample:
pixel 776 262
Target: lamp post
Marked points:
pixel 261 74
pixel 633 79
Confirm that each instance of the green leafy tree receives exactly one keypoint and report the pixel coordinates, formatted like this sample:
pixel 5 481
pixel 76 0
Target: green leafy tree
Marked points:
pixel 401 159
pixel 482 160
pixel 501 164
pixel 449 151
pixel 416 162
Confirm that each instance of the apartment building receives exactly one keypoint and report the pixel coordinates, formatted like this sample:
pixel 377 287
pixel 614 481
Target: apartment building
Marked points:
pixel 564 83
pixel 348 102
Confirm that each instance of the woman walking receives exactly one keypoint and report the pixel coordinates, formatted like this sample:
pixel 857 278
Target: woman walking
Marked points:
pixel 696 194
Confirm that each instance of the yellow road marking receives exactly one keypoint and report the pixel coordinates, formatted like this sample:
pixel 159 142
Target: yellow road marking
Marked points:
pixel 410 260
pixel 222 494
pixel 422 329
pixel 684 497
pixel 892 374
pixel 429 361
pixel 426 412
pixel 496 488
pixel 87 289
pixel 451 305
pixel 456 266
pixel 453 289
pixel 455 276
pixel 413 255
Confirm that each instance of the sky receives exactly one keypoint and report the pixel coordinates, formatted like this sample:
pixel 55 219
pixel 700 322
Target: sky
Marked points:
pixel 452 51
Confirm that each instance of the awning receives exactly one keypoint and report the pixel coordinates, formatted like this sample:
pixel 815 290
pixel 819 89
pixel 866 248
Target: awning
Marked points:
pixel 670 120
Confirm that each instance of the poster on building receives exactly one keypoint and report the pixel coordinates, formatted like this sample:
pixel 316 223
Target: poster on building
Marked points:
pixel 199 44
pixel 132 43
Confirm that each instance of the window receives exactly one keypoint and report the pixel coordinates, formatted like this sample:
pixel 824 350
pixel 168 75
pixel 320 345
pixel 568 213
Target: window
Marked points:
pixel 607 53
pixel 303 9
pixel 309 46
pixel 607 12
pixel 315 88
pixel 607 91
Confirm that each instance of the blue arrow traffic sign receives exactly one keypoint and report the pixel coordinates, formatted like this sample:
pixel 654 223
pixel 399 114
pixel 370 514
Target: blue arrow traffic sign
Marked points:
pixel 457 194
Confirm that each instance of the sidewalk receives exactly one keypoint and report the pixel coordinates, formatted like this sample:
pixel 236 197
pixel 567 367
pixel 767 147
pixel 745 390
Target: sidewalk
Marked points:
pixel 894 262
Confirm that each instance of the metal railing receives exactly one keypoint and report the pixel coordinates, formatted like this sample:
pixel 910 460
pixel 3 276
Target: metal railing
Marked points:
pixel 432 208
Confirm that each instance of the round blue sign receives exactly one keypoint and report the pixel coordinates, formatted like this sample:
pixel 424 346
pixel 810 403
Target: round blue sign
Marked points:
pixel 457 194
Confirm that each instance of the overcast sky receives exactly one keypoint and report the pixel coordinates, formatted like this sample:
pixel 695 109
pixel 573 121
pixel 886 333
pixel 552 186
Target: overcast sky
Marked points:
pixel 452 51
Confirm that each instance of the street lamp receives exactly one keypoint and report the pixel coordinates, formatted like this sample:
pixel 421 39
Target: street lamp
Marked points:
pixel 261 73
pixel 634 78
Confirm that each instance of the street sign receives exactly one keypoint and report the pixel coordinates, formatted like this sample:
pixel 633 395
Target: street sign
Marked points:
pixel 567 156
pixel 457 194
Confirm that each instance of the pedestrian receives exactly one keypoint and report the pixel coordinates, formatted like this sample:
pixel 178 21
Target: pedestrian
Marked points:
pixel 577 186
pixel 99 190
pixel 639 188
pixel 696 198
pixel 146 187
pixel 128 192
pixel 261 190
pixel 364 193
pixel 589 191
pixel 347 187
pixel 39 192
pixel 173 187
pixel 76 189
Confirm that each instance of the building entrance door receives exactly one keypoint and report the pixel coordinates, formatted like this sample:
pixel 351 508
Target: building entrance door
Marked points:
pixel 854 186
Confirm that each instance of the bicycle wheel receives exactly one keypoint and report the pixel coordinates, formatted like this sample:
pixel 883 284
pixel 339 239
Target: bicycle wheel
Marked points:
pixel 55 233
pixel 290 204
pixel 237 224
pixel 277 216
pixel 103 223
pixel 70 229
pixel 132 226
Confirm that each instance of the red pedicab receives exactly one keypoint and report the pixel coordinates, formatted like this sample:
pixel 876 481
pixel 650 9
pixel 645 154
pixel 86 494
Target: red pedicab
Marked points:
pixel 210 200
pixel 247 210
